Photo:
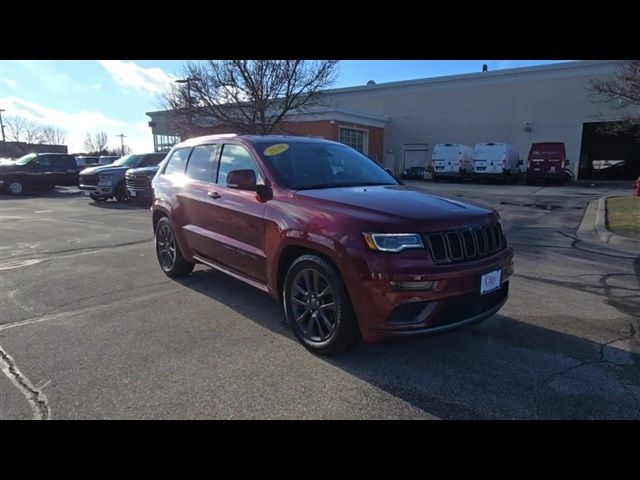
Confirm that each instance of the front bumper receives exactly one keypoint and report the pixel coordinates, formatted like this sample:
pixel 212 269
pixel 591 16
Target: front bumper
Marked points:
pixel 447 174
pixel 139 193
pixel 98 190
pixel 453 301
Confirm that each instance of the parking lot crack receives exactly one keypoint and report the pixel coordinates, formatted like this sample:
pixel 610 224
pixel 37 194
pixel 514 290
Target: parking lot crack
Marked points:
pixel 35 397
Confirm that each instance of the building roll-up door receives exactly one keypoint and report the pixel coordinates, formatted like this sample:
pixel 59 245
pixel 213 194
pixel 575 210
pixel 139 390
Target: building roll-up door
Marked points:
pixel 415 158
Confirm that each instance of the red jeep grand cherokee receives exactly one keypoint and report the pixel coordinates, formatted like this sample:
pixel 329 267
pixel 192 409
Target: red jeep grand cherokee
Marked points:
pixel 347 249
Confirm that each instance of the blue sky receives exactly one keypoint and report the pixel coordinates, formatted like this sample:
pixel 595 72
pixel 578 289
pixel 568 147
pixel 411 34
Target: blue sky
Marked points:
pixel 113 96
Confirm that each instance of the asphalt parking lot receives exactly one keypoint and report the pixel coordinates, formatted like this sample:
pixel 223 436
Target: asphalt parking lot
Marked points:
pixel 91 328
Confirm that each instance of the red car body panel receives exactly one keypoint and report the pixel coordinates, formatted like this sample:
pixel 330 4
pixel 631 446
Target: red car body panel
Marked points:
pixel 247 234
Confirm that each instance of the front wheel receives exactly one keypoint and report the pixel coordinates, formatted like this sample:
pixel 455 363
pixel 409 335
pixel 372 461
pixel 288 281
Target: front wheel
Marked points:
pixel 121 194
pixel 317 306
pixel 170 257
pixel 15 186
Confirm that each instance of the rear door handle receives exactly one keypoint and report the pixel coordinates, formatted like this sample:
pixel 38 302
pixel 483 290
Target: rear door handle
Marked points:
pixel 214 195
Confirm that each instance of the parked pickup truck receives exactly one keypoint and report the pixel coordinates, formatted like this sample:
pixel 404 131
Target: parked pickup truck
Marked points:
pixel 138 183
pixel 38 171
pixel 108 181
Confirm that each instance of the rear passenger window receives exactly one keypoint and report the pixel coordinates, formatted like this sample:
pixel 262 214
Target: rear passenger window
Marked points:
pixel 43 161
pixel 201 163
pixel 64 162
pixel 177 162
pixel 235 157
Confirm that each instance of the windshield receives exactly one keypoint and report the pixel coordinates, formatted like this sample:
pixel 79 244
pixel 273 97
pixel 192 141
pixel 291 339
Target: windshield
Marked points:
pixel 302 165
pixel 127 161
pixel 26 159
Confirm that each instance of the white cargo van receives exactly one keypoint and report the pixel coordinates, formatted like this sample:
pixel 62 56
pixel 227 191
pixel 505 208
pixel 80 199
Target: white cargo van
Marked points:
pixel 451 161
pixel 496 160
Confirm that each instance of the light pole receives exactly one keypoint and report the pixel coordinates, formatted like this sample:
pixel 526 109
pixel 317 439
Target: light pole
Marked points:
pixel 4 140
pixel 122 135
pixel 189 113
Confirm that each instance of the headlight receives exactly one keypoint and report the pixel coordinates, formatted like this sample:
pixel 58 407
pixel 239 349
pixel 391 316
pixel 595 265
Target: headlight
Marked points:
pixel 392 242
pixel 106 176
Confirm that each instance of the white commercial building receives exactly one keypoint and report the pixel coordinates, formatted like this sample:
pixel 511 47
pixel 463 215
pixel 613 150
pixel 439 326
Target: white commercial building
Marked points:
pixel 549 103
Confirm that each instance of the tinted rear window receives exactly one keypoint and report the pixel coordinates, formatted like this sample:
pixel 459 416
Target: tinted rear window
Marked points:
pixel 153 160
pixel 64 161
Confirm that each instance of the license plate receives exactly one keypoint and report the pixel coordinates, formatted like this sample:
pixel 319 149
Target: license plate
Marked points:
pixel 552 169
pixel 86 193
pixel 132 193
pixel 490 281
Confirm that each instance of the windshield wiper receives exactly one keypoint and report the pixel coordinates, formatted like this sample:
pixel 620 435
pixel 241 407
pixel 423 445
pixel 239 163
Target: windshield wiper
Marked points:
pixel 343 185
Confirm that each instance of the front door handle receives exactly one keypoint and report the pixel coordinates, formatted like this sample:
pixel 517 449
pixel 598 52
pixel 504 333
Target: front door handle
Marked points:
pixel 214 195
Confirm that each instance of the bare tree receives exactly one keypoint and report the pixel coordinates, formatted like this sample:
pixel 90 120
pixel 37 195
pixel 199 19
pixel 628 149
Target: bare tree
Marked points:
pixel 246 96
pixel 623 92
pixel 21 129
pixel 96 144
pixel 53 135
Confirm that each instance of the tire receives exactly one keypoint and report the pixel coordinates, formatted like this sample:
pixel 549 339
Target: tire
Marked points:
pixel 323 331
pixel 16 186
pixel 97 199
pixel 435 179
pixel 121 194
pixel 168 251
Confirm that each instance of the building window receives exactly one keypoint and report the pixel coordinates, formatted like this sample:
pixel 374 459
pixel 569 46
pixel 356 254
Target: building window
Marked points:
pixel 357 139
pixel 163 143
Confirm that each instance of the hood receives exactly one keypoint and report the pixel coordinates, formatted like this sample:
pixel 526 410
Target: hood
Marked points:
pixel 8 166
pixel 397 207
pixel 105 169
pixel 143 170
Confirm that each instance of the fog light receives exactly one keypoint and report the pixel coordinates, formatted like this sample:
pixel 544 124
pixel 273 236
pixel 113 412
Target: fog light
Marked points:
pixel 411 285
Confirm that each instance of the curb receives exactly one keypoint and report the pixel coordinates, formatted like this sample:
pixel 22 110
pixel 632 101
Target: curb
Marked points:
pixel 604 235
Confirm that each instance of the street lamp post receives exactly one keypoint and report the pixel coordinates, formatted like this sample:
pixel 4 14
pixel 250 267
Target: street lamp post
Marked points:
pixel 189 111
pixel 122 135
pixel 4 140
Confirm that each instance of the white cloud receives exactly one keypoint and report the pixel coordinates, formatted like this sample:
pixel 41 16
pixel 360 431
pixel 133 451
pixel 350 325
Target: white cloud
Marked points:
pixel 132 75
pixel 79 123
pixel 9 82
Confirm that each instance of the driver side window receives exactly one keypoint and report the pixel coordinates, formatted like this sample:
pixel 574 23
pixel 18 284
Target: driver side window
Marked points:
pixel 235 157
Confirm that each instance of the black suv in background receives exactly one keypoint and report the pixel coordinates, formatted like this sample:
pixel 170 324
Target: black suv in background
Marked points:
pixel 138 183
pixel 104 182
pixel 38 171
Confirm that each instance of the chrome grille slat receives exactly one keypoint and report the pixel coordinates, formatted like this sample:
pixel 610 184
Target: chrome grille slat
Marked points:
pixel 466 244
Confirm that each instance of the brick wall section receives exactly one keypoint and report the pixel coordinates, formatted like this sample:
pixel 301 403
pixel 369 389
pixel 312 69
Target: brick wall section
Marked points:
pixel 330 131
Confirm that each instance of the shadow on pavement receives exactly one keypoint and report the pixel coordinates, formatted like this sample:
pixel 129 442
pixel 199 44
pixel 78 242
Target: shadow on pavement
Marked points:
pixel 498 369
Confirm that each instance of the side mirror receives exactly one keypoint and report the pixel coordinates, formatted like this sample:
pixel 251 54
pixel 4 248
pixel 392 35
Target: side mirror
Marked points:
pixel 242 179
pixel 520 162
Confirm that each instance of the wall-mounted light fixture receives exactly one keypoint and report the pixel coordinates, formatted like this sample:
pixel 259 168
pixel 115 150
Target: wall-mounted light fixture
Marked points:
pixel 528 126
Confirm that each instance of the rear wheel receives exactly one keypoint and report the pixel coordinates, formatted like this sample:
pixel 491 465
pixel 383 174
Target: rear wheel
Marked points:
pixel 317 306
pixel 168 252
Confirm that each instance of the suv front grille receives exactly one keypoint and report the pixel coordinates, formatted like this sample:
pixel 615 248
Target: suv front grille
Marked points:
pixel 89 179
pixel 137 182
pixel 468 244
